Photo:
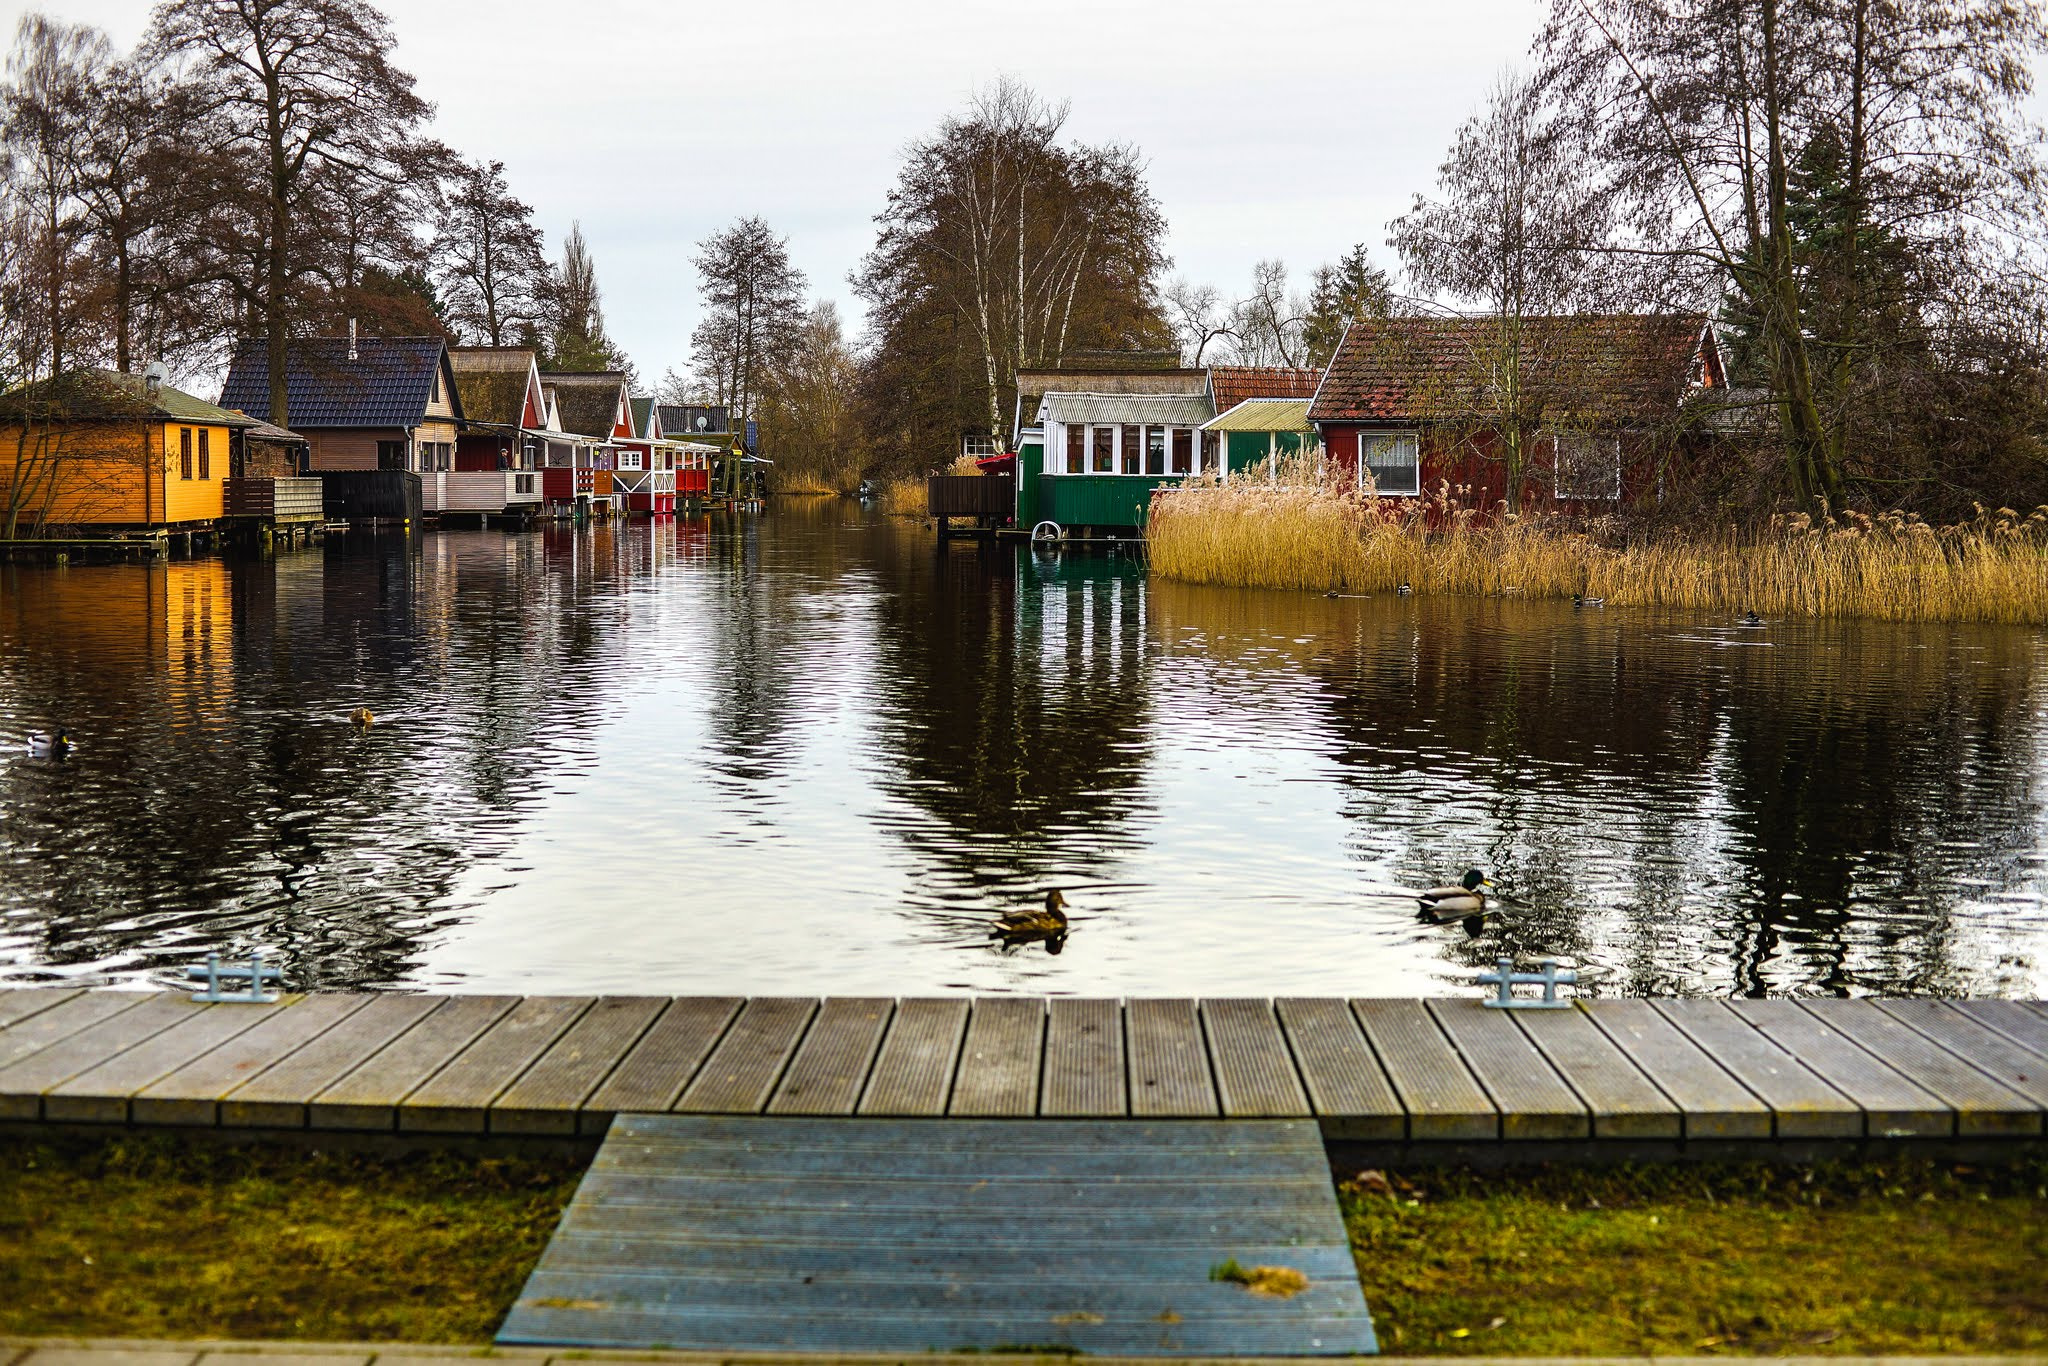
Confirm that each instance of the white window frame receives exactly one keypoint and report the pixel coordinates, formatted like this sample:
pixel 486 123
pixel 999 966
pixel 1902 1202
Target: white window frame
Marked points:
pixel 980 445
pixel 1591 442
pixel 629 460
pixel 1414 438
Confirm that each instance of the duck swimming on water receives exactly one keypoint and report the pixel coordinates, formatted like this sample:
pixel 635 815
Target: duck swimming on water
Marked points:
pixel 361 718
pixel 1581 600
pixel 1047 926
pixel 1449 903
pixel 56 746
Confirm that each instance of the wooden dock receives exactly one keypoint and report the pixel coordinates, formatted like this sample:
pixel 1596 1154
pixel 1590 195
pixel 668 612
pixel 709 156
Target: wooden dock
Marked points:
pixel 1413 1072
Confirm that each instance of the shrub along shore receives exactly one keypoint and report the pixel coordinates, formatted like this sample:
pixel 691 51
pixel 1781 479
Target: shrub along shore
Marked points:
pixel 1299 534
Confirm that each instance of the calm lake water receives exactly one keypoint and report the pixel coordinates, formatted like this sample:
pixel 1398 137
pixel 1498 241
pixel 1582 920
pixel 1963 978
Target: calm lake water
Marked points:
pixel 806 751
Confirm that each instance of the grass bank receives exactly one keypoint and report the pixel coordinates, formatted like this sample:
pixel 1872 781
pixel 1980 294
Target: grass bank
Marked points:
pixel 1299 534
pixel 1689 1260
pixel 148 1236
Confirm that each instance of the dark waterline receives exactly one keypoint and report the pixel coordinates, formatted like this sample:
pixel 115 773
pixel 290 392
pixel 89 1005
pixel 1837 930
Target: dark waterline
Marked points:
pixel 807 752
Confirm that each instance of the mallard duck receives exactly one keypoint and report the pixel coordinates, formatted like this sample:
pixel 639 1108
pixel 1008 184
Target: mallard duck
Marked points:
pixel 1452 902
pixel 1751 619
pixel 1022 926
pixel 1404 590
pixel 361 717
pixel 1581 600
pixel 56 746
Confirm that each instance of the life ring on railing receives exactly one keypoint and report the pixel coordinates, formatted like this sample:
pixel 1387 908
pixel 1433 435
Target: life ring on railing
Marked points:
pixel 1047 530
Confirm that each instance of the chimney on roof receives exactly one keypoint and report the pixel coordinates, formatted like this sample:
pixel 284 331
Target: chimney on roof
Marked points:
pixel 153 376
pixel 351 338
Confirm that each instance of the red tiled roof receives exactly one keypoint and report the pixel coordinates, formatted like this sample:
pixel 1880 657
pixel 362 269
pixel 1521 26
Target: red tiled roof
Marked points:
pixel 1233 384
pixel 1614 366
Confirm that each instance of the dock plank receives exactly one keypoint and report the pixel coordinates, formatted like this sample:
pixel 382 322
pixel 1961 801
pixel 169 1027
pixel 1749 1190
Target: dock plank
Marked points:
pixel 367 1096
pixel 2028 1028
pixel 1444 1101
pixel 830 1070
pixel 1892 1106
pixel 191 1094
pixel 1981 1105
pixel 18 1003
pixel 99 1095
pixel 548 1097
pixel 667 1059
pixel 913 1072
pixel 1534 1101
pixel 2022 1069
pixel 457 1099
pixel 37 1032
pixel 742 1071
pixel 1623 1102
pixel 1802 1104
pixel 999 1062
pixel 1255 1075
pixel 1084 1059
pixel 1711 1102
pixel 23 1083
pixel 1169 1061
pixel 278 1095
pixel 1347 1088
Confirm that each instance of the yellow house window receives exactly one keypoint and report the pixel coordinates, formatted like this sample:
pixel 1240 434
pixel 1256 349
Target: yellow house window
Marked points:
pixel 184 452
pixel 205 454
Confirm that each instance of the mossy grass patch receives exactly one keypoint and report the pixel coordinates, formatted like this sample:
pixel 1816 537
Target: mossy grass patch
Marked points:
pixel 155 1236
pixel 1885 1257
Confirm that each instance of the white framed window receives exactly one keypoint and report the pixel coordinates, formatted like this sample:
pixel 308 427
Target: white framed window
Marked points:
pixel 1588 466
pixel 1391 462
pixel 629 460
pixel 980 445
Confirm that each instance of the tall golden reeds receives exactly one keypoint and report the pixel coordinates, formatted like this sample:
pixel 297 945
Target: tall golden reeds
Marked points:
pixel 1295 532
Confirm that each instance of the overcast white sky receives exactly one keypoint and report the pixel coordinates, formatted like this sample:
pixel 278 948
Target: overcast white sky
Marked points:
pixel 1288 128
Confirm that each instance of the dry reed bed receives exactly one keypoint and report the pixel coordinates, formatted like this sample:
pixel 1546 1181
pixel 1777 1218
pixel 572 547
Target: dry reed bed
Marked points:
pixel 1302 535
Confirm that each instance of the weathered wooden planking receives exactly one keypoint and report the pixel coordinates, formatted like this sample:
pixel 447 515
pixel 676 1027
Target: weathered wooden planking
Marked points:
pixel 278 1095
pixel 1624 1103
pixel 18 1003
pixel 1169 1061
pixel 367 1096
pixel 1255 1076
pixel 1892 1106
pixel 99 1095
pixel 827 1074
pixel 1711 1102
pixel 22 1083
pixel 1442 1098
pixel 1534 1101
pixel 457 1099
pixel 741 1072
pixel 2022 1069
pixel 548 1097
pixel 191 1094
pixel 999 1062
pixel 913 1073
pixel 1802 1105
pixel 1084 1059
pixel 1347 1088
pixel 1982 1107
pixel 964 1234
pixel 2013 1019
pixel 654 1073
pixel 36 1032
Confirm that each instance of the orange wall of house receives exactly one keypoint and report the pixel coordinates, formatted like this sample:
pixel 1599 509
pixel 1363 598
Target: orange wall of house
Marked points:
pixel 195 499
pixel 97 471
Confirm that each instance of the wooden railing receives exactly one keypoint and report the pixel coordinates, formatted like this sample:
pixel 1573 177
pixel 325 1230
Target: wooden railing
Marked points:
pixel 971 495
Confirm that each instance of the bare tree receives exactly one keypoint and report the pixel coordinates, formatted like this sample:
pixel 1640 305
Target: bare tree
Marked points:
pixel 488 261
pixel 807 411
pixel 303 93
pixel 753 311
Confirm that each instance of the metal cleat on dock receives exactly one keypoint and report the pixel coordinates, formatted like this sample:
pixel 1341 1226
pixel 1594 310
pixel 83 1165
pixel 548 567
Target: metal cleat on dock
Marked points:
pixel 1507 979
pixel 256 974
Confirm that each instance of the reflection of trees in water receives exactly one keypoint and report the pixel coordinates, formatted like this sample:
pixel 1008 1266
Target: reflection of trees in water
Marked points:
pixel 1017 708
pixel 219 797
pixel 1837 769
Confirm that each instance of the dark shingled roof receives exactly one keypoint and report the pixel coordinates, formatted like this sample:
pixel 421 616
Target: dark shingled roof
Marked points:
pixel 1233 384
pixel 1612 367
pixel 389 384
pixel 492 381
pixel 589 401
pixel 111 396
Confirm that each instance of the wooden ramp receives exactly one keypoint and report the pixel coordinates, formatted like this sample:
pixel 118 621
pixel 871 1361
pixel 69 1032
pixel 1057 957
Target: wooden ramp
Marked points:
pixel 851 1235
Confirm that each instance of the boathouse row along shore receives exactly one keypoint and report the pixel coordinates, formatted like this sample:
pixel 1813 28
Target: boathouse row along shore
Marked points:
pixel 384 430
pixel 1386 1078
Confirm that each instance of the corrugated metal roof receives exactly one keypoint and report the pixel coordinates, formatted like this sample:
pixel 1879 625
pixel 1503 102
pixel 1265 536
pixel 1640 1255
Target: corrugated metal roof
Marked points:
pixel 1181 410
pixel 1264 415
